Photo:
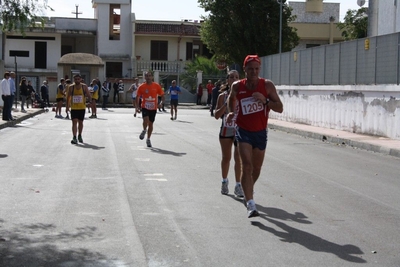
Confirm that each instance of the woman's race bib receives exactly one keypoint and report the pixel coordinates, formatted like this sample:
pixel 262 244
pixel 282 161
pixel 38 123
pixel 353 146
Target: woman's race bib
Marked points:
pixel 231 124
pixel 250 105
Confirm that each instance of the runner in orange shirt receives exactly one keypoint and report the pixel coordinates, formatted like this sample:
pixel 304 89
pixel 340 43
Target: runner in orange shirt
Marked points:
pixel 149 91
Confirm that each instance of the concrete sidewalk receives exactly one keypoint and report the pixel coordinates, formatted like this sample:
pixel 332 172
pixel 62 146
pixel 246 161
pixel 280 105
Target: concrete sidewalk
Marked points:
pixel 372 143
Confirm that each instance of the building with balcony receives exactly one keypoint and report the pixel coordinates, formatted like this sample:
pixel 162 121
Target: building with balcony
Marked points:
pixel 316 23
pixel 126 47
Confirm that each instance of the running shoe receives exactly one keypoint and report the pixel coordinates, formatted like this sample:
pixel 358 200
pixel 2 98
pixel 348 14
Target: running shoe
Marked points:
pixel 239 191
pixel 175 117
pixel 60 116
pixel 224 188
pixel 67 117
pixel 252 210
pixel 141 136
pixel 74 141
pixel 80 139
pixel 172 118
pixel 148 142
pixel 92 116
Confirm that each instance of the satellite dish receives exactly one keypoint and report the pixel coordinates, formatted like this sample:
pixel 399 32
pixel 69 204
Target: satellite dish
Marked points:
pixel 360 2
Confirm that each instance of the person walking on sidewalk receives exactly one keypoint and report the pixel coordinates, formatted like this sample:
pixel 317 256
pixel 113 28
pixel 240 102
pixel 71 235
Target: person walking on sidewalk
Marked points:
pixel 60 98
pixel 77 94
pixel 254 97
pixel 227 137
pixel 174 91
pixel 149 92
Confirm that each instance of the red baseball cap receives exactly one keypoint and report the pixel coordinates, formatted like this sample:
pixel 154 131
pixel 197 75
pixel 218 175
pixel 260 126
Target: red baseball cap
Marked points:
pixel 250 58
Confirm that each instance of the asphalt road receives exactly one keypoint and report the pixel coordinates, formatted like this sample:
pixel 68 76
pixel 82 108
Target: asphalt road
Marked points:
pixel 114 202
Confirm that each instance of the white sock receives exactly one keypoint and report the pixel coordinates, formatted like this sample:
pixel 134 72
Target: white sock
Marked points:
pixel 238 183
pixel 250 202
pixel 224 180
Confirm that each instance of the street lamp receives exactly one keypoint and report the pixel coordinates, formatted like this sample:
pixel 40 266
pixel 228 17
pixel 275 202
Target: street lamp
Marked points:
pixel 280 26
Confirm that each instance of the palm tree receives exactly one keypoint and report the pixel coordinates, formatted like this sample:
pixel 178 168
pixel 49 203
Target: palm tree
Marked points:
pixel 206 65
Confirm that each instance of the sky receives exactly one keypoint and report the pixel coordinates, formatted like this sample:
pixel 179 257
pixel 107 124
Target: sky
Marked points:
pixel 160 9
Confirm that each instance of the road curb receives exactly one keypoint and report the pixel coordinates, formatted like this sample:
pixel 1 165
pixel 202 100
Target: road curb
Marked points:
pixel 338 140
pixel 21 118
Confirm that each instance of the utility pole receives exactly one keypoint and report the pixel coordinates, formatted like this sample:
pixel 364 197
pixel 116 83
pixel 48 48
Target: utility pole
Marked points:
pixel 280 27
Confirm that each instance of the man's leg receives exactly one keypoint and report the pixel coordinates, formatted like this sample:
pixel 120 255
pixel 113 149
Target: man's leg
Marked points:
pixel 149 130
pixel 258 159
pixel 176 111
pixel 145 122
pixel 80 127
pixel 246 156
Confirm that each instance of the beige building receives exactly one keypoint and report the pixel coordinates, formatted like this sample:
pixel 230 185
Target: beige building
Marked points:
pixel 316 23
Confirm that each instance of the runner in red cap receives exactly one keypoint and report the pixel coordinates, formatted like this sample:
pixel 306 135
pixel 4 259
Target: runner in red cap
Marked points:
pixel 253 98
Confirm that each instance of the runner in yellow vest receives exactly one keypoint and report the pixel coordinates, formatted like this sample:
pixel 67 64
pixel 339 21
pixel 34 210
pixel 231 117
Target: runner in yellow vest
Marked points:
pixel 77 93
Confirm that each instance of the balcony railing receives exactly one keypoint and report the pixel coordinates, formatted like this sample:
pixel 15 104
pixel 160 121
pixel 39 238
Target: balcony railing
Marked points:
pixel 164 67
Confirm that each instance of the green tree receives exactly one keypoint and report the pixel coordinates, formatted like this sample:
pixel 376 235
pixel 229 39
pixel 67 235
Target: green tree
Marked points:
pixel 355 24
pixel 206 65
pixel 235 28
pixel 17 15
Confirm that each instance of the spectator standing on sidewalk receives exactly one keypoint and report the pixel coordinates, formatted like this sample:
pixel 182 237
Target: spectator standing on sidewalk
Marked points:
pixel 174 91
pixel 116 90
pixel 133 89
pixel 13 89
pixel 214 96
pixel 254 97
pixel 5 91
pixel 106 93
pixel 95 98
pixel 199 94
pixel 149 92
pixel 44 91
pixel 31 93
pixel 209 87
pixel 67 85
pixel 227 137
pixel 23 92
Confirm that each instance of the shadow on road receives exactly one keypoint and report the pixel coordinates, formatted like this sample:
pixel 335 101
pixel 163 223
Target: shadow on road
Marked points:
pixel 86 145
pixel 3 156
pixel 36 245
pixel 307 240
pixel 167 152
pixel 183 121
